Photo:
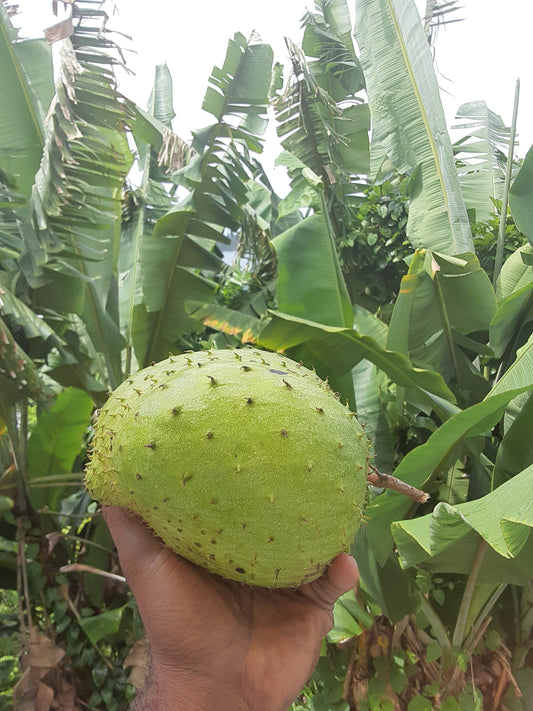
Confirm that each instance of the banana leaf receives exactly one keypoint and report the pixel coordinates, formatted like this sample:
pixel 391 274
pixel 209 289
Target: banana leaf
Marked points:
pixel 329 139
pixel 481 157
pixel 240 88
pixel 444 306
pixel 394 591
pixel 76 199
pixel 140 251
pixel 520 371
pixel 521 197
pixel 449 539
pixel 514 292
pixel 372 391
pixel 26 88
pixel 177 259
pixel 33 325
pixel 335 351
pixel 322 121
pixel 423 466
pixel 55 442
pixel 328 38
pixel 516 448
pixel 310 282
pixel 409 123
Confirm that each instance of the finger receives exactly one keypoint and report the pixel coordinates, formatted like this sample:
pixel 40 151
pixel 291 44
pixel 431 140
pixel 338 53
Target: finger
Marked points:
pixel 134 541
pixel 341 576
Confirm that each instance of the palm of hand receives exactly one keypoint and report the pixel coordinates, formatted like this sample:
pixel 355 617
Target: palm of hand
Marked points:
pixel 260 645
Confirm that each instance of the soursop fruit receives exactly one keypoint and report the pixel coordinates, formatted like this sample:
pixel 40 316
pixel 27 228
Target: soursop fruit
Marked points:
pixel 242 461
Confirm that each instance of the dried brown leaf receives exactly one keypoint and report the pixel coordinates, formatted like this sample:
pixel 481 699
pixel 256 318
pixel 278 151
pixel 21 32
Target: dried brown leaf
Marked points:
pixel 43 653
pixel 44 697
pixel 59 31
pixel 139 660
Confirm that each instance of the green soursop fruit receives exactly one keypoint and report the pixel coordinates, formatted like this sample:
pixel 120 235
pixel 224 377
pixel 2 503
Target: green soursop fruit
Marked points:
pixel 242 461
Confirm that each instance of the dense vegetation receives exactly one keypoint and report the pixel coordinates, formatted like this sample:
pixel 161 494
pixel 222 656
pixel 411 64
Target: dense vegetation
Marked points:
pixel 379 269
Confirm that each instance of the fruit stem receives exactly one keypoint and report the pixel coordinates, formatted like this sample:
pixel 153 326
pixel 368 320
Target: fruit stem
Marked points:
pixel 387 481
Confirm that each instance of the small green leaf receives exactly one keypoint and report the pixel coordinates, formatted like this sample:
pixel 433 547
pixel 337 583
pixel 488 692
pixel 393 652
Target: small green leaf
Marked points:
pixel 419 703
pixel 63 624
pixel 6 504
pixel 345 626
pixel 433 651
pixel 107 697
pixel 438 596
pixel 99 674
pixel 398 678
pixel 94 700
pixel 450 704
pixel 99 626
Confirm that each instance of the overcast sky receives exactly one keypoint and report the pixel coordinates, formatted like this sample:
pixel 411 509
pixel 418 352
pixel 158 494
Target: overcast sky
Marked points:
pixel 479 58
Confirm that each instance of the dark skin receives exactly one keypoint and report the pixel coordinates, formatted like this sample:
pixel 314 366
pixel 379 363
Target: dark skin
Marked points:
pixel 217 643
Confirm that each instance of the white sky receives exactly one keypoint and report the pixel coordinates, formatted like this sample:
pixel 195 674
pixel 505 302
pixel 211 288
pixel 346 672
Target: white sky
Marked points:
pixel 479 58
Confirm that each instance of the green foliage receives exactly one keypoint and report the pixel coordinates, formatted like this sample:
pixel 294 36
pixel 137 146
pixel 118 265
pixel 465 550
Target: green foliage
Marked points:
pixel 372 255
pixel 486 238
pixel 366 270
pixel 325 691
pixel 10 641
pixel 520 197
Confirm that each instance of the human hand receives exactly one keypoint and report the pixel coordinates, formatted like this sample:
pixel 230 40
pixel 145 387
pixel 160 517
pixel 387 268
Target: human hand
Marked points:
pixel 217 643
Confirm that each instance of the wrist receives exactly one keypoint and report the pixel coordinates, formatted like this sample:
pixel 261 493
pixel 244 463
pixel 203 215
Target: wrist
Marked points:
pixel 168 690
pixel 171 690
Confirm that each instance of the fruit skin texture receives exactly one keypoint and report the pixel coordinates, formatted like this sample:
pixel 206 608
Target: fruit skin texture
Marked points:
pixel 242 461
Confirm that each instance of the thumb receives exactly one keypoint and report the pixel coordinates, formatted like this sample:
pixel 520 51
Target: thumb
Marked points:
pixel 341 576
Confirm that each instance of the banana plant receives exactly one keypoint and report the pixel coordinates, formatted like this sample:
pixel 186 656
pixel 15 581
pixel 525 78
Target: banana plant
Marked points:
pixel 323 120
pixel 67 230
pixel 481 156
pixel 446 305
pixel 409 124
pixel 144 205
pixel 27 90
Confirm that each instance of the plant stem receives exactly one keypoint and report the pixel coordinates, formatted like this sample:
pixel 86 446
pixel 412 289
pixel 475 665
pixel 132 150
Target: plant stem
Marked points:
pixel 20 597
pixel 48 624
pixel 57 478
pixel 436 623
pixel 505 199
pixel 447 326
pixel 25 586
pixel 87 541
pixel 470 640
pixel 77 615
pixel 69 515
pixel 82 568
pixel 462 616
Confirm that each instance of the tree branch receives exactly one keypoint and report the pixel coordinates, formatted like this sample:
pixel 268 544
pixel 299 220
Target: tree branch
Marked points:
pixel 387 481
